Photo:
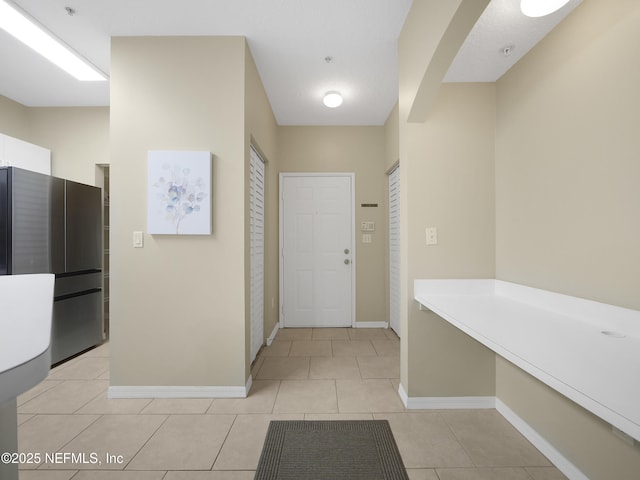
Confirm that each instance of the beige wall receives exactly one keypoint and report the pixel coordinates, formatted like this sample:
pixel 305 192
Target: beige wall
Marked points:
pixel 178 304
pixel 350 149
pixel 447 182
pixel 583 439
pixel 568 159
pixel 392 140
pixel 14 119
pixel 438 158
pixel 568 201
pixel 77 137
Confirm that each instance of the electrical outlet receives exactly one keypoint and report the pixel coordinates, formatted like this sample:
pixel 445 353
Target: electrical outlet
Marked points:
pixel 366 238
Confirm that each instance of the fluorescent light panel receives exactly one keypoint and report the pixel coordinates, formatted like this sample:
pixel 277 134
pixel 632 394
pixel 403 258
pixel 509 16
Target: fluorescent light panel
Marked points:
pixel 32 35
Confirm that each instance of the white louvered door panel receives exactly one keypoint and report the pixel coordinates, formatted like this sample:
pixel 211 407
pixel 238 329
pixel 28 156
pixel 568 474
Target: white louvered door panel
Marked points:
pixel 394 250
pixel 256 225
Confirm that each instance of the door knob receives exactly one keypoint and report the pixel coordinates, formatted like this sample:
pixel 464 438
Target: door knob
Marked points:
pixel 347 261
pixel 346 251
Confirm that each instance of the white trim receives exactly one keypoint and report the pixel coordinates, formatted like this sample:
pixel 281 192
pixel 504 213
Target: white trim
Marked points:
pixel 547 449
pixel 403 396
pixel 371 325
pixel 274 332
pixel 247 387
pixel 450 403
pixel 171 391
pixel 352 177
pixel 444 403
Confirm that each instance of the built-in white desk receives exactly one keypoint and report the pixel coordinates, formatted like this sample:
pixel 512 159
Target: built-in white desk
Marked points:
pixel 588 351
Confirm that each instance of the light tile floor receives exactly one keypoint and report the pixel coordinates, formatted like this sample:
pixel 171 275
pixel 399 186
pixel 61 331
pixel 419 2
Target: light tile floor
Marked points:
pixel 314 374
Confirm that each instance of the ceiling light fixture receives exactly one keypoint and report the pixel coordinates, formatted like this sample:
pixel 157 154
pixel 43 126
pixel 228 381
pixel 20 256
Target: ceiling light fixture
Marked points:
pixel 332 99
pixel 540 8
pixel 34 36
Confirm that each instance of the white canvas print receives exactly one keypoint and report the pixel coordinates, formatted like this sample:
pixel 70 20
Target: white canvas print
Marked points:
pixel 179 192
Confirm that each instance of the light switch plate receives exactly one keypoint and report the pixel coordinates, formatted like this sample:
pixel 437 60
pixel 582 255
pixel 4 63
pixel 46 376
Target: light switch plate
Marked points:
pixel 432 236
pixel 366 238
pixel 138 240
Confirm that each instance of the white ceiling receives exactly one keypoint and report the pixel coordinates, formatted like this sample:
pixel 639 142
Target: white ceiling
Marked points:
pixel 482 57
pixel 289 40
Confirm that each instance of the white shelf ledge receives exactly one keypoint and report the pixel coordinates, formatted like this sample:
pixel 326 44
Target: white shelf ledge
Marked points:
pixel 588 351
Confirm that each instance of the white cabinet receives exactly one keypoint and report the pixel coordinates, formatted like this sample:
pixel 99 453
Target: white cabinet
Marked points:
pixel 21 154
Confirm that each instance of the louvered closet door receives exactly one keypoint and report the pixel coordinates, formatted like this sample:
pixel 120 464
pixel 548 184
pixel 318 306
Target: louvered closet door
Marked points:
pixel 256 225
pixel 394 250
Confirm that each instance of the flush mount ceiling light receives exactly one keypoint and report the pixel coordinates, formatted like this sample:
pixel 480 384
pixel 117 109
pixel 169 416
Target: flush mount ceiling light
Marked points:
pixel 540 8
pixel 332 99
pixel 28 32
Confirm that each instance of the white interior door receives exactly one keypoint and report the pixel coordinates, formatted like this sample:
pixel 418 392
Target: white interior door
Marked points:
pixel 394 250
pixel 317 270
pixel 256 239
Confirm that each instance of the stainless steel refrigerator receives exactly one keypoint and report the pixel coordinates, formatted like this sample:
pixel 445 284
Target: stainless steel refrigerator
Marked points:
pixel 53 225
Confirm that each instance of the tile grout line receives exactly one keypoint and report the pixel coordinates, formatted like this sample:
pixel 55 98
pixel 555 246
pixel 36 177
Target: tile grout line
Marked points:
pixel 226 437
pixel 92 399
pixel 275 399
pixel 58 382
pixel 450 428
pixel 98 417
pixel 144 443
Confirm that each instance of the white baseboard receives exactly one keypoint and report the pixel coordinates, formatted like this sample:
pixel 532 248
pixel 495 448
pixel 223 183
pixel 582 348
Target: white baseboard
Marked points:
pixel 170 391
pixel 371 325
pixel 274 332
pixel 247 387
pixel 548 450
pixel 445 403
pixel 403 395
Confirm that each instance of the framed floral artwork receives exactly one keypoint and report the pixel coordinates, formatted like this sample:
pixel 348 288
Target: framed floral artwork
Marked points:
pixel 179 192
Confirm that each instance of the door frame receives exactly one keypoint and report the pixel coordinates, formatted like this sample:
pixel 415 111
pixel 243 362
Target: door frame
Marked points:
pixel 352 179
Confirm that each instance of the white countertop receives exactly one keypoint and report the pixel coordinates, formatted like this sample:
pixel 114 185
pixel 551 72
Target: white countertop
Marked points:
pixel 556 338
pixel 26 303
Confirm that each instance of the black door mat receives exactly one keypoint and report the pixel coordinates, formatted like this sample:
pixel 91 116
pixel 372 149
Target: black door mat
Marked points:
pixel 327 450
